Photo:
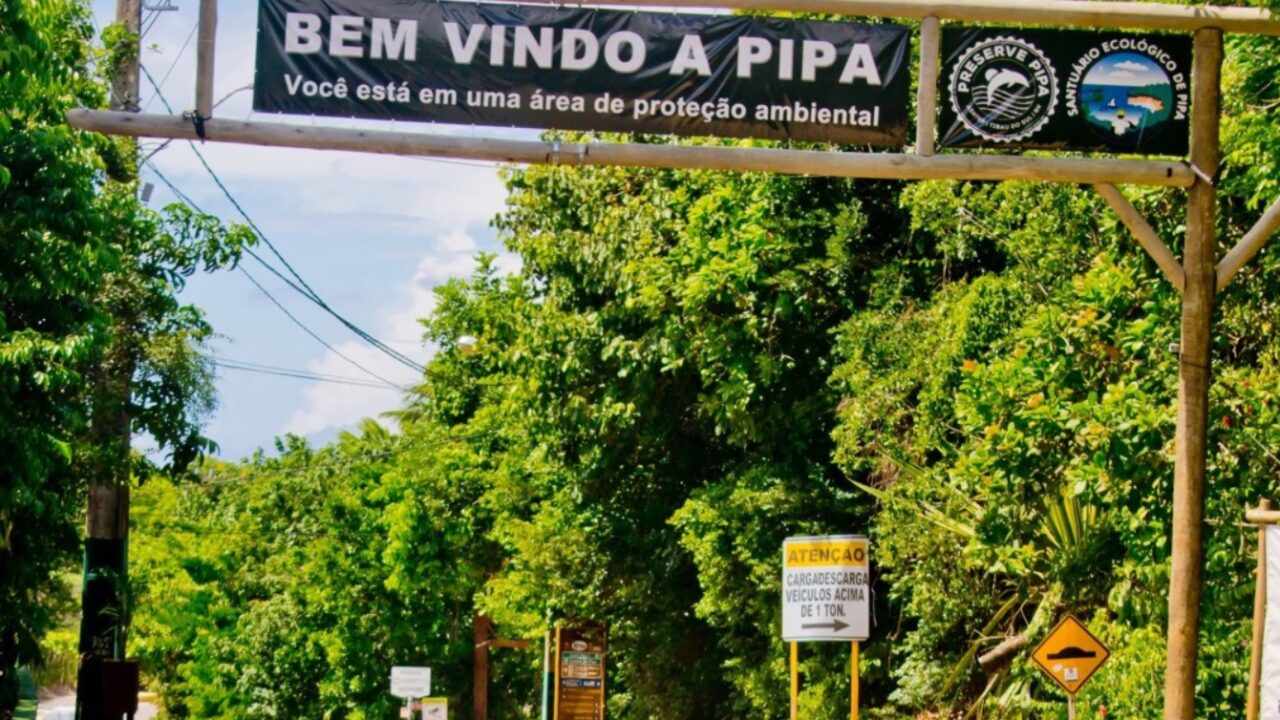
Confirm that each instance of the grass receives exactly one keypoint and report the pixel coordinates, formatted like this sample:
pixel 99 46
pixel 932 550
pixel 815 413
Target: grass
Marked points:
pixel 27 696
pixel 26 710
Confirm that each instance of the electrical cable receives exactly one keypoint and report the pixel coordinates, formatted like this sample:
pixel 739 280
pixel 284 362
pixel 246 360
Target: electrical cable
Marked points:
pixel 316 337
pixel 262 366
pixel 172 65
pixel 300 286
pixel 186 199
pixel 301 375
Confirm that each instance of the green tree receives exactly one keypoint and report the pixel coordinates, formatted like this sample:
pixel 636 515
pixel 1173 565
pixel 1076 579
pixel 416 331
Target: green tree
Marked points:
pixel 86 269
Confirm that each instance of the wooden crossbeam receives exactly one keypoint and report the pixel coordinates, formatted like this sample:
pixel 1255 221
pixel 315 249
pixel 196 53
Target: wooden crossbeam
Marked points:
pixel 1146 235
pixel 1262 516
pixel 1249 245
pixel 1076 13
pixel 875 166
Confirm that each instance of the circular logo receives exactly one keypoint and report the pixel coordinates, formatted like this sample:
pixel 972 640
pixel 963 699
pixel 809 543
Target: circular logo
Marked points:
pixel 1004 89
pixel 578 645
pixel 1126 98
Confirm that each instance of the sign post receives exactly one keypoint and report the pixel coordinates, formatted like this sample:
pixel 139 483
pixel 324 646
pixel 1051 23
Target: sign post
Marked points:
pixel 409 683
pixel 826 596
pixel 1070 655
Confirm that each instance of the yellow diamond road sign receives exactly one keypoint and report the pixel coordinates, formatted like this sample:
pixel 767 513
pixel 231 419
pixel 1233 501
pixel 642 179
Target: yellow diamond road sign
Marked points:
pixel 1071 654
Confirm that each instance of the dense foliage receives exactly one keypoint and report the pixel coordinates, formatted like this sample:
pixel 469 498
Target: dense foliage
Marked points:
pixel 92 338
pixel 690 367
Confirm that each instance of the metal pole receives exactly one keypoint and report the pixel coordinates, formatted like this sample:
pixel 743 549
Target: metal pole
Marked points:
pixel 853 681
pixel 1071 707
pixel 547 671
pixel 1186 575
pixel 795 681
pixel 1259 619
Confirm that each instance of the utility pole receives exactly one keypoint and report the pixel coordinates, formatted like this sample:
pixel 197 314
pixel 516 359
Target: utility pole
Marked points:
pixel 106 688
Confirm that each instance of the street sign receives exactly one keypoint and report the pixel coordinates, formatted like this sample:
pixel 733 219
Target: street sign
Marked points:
pixel 435 708
pixel 410 682
pixel 826 588
pixel 1070 655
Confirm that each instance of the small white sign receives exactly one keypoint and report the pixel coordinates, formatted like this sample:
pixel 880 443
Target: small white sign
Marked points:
pixel 826 588
pixel 410 682
pixel 435 709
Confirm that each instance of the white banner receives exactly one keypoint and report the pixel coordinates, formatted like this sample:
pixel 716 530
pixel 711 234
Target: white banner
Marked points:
pixel 1270 705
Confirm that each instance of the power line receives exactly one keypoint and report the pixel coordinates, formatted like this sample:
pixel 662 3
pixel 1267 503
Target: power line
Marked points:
pixel 211 482
pixel 308 330
pixel 186 199
pixel 302 375
pixel 300 286
pixel 172 65
pixel 316 373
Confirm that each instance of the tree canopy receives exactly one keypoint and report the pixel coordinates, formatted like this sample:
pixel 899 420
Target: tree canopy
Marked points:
pixel 88 294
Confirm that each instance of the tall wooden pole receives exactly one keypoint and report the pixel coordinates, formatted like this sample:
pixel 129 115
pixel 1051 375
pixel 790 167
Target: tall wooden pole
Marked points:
pixel 1186 576
pixel 1259 620
pixel 481 634
pixel 103 603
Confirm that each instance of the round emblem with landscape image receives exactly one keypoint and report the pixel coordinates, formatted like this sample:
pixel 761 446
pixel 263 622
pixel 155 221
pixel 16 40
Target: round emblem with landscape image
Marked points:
pixel 1003 89
pixel 1126 98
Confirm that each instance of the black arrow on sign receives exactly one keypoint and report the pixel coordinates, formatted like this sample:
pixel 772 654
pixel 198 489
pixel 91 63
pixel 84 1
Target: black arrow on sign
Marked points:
pixel 835 625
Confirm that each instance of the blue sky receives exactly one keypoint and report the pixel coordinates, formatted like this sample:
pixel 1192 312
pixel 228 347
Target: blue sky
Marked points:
pixel 371 234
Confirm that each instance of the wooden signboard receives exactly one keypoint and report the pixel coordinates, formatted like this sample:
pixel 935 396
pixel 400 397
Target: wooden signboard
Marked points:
pixel 580 673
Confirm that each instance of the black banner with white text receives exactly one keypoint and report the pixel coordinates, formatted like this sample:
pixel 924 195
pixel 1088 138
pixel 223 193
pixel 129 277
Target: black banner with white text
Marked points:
pixel 1065 90
pixel 584 69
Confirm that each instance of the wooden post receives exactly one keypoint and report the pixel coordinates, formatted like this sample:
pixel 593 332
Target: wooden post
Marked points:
pixel 204 57
pixel 1071 707
pixel 555 678
pixel 480 633
pixel 106 559
pixel 125 75
pixel 795 681
pixel 1259 619
pixel 927 92
pixel 1186 575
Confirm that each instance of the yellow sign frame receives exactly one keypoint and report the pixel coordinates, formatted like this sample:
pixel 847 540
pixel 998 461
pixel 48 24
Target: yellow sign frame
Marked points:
pixel 1086 654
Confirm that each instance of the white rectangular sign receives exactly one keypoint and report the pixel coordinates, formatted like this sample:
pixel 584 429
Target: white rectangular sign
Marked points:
pixel 410 682
pixel 826 588
pixel 1269 705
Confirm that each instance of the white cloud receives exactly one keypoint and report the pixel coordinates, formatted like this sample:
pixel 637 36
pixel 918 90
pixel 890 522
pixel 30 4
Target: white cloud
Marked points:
pixel 327 405
pixel 1121 75
pixel 1131 65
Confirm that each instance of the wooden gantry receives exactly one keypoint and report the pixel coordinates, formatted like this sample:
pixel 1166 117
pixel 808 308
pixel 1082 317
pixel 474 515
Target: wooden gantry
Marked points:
pixel 1199 276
